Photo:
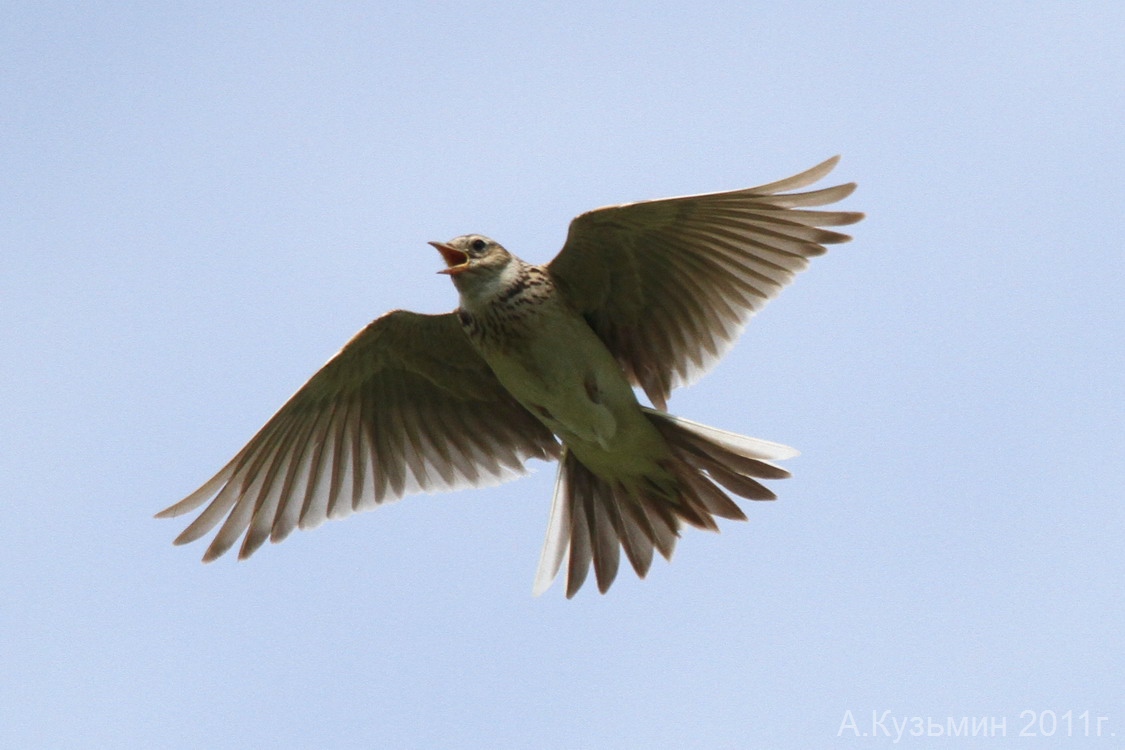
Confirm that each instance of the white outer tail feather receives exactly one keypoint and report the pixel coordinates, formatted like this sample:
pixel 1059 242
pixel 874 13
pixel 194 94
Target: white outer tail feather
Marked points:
pixel 558 534
pixel 763 450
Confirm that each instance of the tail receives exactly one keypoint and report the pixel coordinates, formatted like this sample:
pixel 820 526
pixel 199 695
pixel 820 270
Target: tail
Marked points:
pixel 592 518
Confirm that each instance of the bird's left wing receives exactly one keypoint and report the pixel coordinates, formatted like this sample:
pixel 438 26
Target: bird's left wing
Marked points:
pixel 406 406
pixel 669 284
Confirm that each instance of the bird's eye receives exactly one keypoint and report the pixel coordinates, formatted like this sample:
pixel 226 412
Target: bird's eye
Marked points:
pixel 478 244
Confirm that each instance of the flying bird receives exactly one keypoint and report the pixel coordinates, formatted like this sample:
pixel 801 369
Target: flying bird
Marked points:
pixel 540 362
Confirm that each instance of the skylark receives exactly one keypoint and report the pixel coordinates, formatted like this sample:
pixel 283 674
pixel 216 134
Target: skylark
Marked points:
pixel 540 362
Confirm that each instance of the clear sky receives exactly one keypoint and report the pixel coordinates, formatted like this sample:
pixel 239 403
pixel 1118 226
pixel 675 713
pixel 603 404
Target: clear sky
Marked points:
pixel 201 202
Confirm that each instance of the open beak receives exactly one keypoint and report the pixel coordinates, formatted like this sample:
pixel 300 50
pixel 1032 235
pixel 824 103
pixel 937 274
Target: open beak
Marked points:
pixel 457 261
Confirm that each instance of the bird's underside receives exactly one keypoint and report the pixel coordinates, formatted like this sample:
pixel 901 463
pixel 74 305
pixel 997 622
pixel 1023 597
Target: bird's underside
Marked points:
pixel 539 362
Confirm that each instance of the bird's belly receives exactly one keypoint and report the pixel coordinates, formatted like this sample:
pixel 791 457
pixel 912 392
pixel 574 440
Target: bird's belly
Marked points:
pixel 571 383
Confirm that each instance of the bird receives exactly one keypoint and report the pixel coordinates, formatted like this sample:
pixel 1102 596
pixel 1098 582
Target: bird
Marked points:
pixel 544 362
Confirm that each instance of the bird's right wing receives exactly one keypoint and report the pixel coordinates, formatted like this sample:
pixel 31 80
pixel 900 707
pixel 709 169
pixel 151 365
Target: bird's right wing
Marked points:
pixel 407 405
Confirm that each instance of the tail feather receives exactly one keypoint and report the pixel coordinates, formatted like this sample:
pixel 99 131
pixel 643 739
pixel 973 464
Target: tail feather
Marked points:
pixel 558 531
pixel 754 467
pixel 714 499
pixel 739 444
pixel 593 518
pixel 638 537
pixel 581 550
pixel 604 534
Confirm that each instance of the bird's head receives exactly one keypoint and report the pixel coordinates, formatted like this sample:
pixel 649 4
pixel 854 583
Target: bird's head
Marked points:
pixel 476 264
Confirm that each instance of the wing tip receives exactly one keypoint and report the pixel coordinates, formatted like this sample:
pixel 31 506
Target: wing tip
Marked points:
pixel 188 504
pixel 801 179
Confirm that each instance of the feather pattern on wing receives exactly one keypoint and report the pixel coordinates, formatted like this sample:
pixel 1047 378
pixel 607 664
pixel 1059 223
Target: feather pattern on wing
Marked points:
pixel 669 284
pixel 406 406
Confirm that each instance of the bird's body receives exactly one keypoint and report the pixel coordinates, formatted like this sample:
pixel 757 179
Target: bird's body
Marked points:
pixel 549 359
pixel 646 294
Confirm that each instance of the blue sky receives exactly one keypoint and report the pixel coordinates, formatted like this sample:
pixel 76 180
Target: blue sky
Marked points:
pixel 202 202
